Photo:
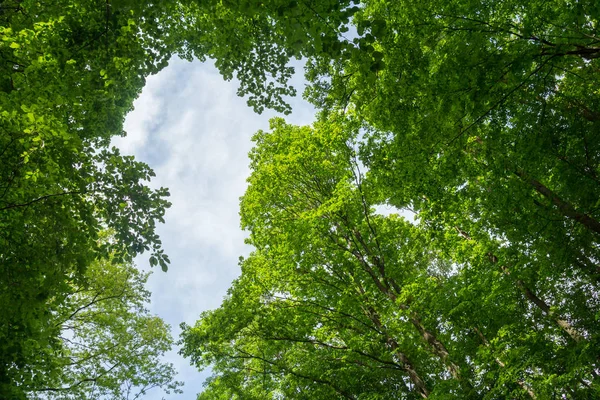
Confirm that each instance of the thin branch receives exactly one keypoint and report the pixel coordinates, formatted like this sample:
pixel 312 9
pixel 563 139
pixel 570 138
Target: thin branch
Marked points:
pixel 11 206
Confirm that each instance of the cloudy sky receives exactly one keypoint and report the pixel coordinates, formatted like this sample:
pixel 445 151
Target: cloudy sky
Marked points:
pixel 193 130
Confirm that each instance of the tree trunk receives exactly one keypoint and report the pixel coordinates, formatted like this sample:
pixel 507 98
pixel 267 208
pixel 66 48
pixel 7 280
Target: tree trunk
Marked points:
pixel 440 350
pixel 531 296
pixel 541 304
pixel 521 383
pixel 414 376
pixel 566 208
pixel 391 289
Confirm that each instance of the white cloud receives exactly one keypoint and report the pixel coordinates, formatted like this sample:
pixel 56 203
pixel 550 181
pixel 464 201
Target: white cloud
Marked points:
pixel 190 126
pixel 145 116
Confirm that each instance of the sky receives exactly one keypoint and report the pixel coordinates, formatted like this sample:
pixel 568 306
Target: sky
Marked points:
pixel 194 131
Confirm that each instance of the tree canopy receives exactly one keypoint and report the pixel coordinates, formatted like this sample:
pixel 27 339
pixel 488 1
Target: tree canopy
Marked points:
pixel 481 118
pixel 108 346
pixel 69 74
pixel 340 301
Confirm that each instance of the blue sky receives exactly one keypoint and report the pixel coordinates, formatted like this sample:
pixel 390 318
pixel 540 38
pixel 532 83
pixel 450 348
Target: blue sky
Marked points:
pixel 193 130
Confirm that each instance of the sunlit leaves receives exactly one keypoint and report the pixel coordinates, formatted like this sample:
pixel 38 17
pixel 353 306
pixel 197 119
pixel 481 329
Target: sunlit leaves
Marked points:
pixel 109 345
pixel 446 313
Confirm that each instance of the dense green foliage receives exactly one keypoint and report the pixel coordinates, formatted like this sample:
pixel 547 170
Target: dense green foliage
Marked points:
pixel 483 119
pixel 108 345
pixel 69 72
pixel 339 301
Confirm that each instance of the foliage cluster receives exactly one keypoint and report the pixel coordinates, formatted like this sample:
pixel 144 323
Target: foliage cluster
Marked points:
pixel 69 72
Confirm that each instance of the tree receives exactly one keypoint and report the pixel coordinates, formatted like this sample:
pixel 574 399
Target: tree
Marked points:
pixel 70 71
pixel 335 291
pixel 480 124
pixel 264 344
pixel 314 329
pixel 482 119
pixel 482 99
pixel 255 41
pixel 108 345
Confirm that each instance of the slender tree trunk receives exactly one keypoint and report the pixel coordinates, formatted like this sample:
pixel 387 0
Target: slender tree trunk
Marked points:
pixel 375 267
pixel 439 350
pixel 408 366
pixel 412 373
pixel 520 382
pixel 542 305
pixel 566 208
pixel 531 296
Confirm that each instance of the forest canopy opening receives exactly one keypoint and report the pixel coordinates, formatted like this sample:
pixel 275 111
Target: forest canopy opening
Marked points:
pixel 482 118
